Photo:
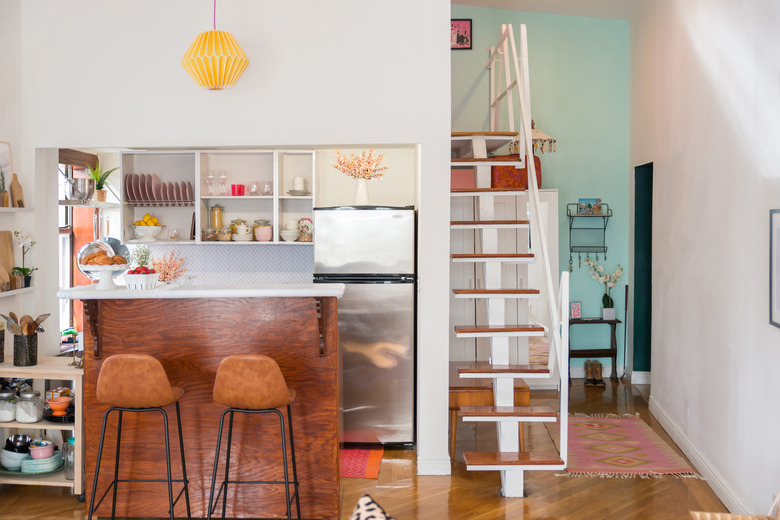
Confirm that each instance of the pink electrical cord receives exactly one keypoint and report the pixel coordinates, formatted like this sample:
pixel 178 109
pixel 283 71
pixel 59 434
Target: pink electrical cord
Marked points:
pixel 215 15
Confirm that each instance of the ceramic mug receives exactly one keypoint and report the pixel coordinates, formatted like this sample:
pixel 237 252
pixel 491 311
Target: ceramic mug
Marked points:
pixel 242 229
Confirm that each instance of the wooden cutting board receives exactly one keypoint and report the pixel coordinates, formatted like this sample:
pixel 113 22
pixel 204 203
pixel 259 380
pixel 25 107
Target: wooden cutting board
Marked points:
pixel 7 251
pixel 17 196
pixel 5 279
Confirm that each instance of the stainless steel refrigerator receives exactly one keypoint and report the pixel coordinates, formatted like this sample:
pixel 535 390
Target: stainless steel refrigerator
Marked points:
pixel 371 249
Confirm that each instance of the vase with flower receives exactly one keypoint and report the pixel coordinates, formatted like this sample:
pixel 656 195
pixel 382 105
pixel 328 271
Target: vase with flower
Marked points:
pixel 23 274
pixel 599 274
pixel 362 168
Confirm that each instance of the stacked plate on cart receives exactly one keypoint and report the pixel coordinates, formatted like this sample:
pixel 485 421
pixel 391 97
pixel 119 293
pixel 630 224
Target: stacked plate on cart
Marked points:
pixel 146 189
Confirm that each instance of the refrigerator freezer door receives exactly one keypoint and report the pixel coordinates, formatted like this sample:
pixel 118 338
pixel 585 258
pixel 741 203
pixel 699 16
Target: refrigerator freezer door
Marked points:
pixel 364 241
pixel 376 335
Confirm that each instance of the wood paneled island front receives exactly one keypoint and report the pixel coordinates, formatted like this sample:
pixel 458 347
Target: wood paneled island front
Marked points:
pixel 190 329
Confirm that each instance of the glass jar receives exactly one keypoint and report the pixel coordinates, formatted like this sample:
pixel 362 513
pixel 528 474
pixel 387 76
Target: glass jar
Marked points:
pixel 209 234
pixel 235 223
pixel 216 216
pixel 29 407
pixel 224 234
pixel 7 407
pixel 69 457
pixel 262 230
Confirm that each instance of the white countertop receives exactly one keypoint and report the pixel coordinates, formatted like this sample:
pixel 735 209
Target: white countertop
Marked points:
pixel 89 292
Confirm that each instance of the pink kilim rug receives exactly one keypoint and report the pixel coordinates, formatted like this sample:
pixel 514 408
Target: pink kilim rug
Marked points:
pixel 619 447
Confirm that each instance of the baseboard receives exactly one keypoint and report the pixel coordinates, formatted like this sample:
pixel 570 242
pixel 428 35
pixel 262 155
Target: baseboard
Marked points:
pixel 434 467
pixel 640 378
pixel 715 480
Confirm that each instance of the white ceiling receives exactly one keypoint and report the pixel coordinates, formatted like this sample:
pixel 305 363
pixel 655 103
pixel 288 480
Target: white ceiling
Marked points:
pixel 620 9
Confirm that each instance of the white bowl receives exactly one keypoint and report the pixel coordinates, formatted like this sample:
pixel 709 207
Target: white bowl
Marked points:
pixel 289 235
pixel 141 282
pixel 12 460
pixel 147 233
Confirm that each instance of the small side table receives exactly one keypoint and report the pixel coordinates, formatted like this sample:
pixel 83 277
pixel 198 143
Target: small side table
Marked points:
pixel 611 351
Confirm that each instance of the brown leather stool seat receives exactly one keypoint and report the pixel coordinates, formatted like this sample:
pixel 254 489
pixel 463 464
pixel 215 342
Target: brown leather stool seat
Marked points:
pixel 253 384
pixel 138 383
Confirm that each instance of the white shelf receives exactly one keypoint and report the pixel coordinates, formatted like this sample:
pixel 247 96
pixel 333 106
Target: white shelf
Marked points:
pixel 237 197
pixel 14 210
pixel 6 294
pixel 52 479
pixel 40 425
pixel 90 204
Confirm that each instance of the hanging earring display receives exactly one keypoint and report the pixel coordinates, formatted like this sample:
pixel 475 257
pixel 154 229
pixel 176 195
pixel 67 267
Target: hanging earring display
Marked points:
pixel 571 262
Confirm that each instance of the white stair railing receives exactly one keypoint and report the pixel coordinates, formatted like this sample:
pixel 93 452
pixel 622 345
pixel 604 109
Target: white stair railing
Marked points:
pixel 558 349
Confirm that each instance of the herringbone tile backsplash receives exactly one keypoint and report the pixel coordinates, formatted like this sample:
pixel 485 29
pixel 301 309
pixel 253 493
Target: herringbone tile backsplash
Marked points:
pixel 242 264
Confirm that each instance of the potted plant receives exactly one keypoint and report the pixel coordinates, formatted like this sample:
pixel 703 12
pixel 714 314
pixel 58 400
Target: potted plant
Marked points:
pixel 598 273
pixel 3 193
pixel 100 177
pixel 25 242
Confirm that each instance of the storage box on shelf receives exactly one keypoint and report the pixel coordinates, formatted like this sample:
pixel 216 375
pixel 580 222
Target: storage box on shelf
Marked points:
pixel 50 368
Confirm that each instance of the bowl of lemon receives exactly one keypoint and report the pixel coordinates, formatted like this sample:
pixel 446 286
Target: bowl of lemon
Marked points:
pixel 147 229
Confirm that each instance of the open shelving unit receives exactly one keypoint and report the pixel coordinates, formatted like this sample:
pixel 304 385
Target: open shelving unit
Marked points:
pixel 55 368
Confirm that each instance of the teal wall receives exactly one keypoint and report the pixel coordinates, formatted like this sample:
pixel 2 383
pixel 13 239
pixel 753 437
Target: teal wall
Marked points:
pixel 579 80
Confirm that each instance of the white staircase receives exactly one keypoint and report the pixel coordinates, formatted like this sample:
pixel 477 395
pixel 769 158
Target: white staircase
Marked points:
pixel 494 290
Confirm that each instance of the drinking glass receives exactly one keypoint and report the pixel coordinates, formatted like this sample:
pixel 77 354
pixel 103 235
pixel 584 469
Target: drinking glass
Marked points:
pixel 267 188
pixel 223 180
pixel 210 183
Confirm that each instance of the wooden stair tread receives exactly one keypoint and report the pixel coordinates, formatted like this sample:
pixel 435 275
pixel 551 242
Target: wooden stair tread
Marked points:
pixel 476 384
pixel 490 222
pixel 495 134
pixel 495 291
pixel 498 328
pixel 507 411
pixel 483 367
pixel 500 160
pixel 492 255
pixel 521 458
pixel 484 190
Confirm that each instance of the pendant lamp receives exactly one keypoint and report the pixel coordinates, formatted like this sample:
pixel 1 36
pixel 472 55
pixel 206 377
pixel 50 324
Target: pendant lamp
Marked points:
pixel 215 60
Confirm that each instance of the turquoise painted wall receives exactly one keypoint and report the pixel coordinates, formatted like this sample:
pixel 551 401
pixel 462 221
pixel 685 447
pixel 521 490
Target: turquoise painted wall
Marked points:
pixel 579 80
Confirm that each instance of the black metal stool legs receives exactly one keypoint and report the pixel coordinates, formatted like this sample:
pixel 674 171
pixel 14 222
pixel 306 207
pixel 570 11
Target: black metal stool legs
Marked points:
pixel 116 480
pixel 214 499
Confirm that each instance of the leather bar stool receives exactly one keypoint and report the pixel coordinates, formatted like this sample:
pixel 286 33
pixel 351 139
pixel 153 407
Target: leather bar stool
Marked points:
pixel 253 384
pixel 137 383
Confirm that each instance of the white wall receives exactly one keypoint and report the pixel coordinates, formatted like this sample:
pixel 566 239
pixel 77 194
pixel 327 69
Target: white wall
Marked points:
pixel 107 74
pixel 705 105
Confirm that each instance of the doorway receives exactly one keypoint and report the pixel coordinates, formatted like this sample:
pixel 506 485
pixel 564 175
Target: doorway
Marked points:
pixel 643 256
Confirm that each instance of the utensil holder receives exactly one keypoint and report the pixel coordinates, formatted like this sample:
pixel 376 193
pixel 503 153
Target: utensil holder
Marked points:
pixel 25 350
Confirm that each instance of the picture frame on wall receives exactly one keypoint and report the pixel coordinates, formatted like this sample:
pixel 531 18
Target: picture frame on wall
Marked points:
pixel 774 267
pixel 460 33
pixel 589 207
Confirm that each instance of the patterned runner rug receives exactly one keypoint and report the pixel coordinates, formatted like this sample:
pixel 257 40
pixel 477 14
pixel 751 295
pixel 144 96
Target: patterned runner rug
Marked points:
pixel 615 446
pixel 360 463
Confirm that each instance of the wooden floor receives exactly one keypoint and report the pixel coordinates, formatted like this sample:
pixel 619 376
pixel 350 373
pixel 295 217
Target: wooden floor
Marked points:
pixel 474 495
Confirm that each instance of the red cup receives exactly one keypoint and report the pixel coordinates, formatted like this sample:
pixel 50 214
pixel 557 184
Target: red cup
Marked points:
pixel 237 190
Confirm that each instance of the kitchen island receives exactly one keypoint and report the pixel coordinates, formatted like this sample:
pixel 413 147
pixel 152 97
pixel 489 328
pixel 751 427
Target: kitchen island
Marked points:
pixel 190 329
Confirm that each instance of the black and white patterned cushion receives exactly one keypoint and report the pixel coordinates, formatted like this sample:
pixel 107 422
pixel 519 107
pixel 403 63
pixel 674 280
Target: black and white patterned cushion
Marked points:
pixel 367 509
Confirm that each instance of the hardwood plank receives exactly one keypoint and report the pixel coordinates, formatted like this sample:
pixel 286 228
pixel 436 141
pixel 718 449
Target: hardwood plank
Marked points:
pixel 520 458
pixel 501 160
pixel 484 190
pixel 479 367
pixel 488 256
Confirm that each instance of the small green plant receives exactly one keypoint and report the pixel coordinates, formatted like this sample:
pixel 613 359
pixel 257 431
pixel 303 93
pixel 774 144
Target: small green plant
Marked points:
pixel 98 175
pixel 141 255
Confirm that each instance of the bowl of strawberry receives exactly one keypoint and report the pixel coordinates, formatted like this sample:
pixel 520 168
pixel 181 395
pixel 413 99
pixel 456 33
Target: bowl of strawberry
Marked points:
pixel 141 278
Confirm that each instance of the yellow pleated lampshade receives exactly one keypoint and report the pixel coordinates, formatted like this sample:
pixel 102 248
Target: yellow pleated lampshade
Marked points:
pixel 215 60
